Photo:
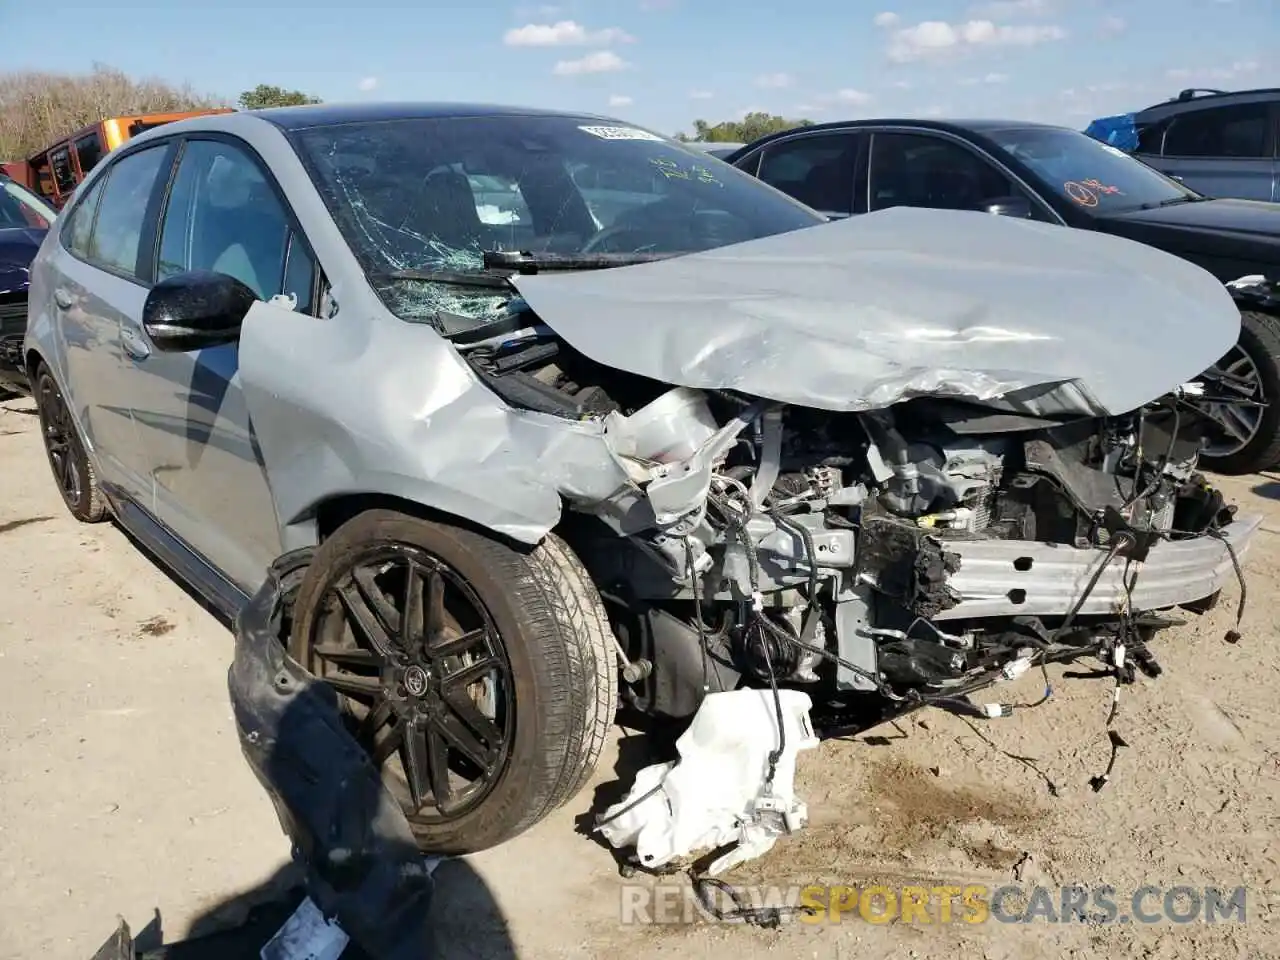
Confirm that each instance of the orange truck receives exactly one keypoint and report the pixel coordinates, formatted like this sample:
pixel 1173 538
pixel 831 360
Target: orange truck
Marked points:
pixel 56 171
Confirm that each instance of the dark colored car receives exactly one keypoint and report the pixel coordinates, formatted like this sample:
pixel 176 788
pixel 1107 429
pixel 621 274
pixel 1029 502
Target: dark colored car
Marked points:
pixel 1221 143
pixel 24 221
pixel 1057 175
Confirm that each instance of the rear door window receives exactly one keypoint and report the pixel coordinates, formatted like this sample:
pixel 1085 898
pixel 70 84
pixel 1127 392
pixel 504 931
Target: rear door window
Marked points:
pixel 817 169
pixel 117 231
pixel 1236 132
pixel 79 229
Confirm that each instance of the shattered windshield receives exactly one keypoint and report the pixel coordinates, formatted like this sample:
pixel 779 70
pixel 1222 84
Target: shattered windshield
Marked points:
pixel 428 196
pixel 1094 176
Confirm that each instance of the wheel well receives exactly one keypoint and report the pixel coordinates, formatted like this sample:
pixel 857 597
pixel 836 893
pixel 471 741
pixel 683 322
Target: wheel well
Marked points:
pixel 334 512
pixel 33 360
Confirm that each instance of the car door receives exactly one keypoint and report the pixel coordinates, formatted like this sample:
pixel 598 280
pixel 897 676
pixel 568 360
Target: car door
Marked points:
pixel 224 213
pixel 1226 151
pixel 928 169
pixel 815 168
pixel 98 281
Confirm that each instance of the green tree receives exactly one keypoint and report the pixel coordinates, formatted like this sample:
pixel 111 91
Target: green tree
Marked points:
pixel 267 95
pixel 751 127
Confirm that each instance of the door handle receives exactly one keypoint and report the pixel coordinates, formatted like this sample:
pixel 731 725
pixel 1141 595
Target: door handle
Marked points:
pixel 63 299
pixel 134 345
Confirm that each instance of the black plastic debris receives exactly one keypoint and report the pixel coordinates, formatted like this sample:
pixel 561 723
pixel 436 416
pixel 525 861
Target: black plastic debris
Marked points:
pixel 1101 781
pixel 362 866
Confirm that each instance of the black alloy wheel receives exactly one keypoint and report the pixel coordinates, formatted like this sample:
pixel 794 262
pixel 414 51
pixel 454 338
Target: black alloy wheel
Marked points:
pixel 1243 400
pixel 410 646
pixel 479 675
pixel 72 471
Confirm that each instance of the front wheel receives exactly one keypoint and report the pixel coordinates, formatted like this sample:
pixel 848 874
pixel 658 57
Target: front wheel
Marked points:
pixel 1245 406
pixel 482 679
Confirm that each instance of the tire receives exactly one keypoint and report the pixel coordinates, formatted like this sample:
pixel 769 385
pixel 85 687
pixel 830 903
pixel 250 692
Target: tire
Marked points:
pixel 1260 339
pixel 558 645
pixel 74 475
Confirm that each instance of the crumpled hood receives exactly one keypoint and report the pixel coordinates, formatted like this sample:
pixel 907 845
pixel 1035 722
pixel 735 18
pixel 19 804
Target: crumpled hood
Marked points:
pixel 862 313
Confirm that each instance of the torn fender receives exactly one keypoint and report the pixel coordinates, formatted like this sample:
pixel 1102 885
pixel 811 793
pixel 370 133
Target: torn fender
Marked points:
pixel 862 313
pixel 362 864
pixel 401 414
pixel 409 418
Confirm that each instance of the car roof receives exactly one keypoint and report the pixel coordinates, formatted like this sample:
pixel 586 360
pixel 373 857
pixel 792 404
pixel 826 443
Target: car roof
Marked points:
pixel 710 146
pixel 329 114
pixel 1195 99
pixel 960 127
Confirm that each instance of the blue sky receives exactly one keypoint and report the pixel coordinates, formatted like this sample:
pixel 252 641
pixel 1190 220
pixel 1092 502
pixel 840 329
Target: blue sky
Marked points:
pixel 661 63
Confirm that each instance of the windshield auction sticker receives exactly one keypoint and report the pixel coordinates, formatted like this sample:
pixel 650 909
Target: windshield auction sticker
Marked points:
pixel 621 133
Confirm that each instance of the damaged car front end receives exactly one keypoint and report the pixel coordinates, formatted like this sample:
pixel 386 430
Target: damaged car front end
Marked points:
pixel 886 461
pixel 866 487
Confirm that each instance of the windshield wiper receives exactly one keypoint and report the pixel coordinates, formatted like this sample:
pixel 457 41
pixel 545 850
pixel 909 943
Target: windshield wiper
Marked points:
pixel 486 278
pixel 520 261
pixel 1172 202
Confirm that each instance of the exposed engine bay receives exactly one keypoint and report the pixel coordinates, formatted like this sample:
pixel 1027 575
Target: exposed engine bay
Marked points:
pixel 913 553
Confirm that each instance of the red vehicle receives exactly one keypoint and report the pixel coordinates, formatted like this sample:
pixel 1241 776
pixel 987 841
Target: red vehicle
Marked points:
pixel 56 171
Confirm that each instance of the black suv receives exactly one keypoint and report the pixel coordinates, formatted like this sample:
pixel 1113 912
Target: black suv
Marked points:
pixel 1057 175
pixel 24 221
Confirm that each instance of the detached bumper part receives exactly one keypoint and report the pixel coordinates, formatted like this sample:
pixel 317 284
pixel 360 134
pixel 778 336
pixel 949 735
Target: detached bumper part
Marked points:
pixel 363 867
pixel 1007 578
pixel 717 794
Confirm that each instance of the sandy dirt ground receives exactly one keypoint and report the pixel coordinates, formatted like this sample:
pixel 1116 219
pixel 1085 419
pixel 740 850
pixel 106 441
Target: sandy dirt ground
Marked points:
pixel 122 791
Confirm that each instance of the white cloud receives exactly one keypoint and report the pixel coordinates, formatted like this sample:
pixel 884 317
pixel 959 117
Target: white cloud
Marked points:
pixel 990 78
pixel 620 100
pixel 700 94
pixel 1010 8
pixel 774 81
pixel 565 33
pixel 934 38
pixel 367 84
pixel 602 61
pixel 1241 68
pixel 1113 26
pixel 886 19
pixel 855 97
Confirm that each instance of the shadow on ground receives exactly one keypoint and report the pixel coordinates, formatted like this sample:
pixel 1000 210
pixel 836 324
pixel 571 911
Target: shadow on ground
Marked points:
pixel 468 924
pixel 1270 489
pixel 355 854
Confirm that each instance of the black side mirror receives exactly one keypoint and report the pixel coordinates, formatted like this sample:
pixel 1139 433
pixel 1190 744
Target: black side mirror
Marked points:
pixel 195 310
pixel 1017 207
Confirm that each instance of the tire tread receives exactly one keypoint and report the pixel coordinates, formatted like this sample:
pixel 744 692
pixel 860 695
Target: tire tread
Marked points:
pixel 563 622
